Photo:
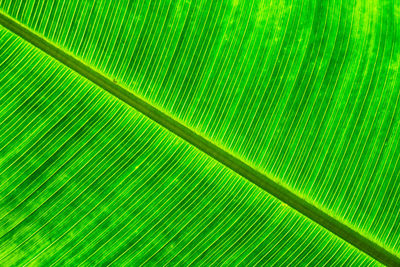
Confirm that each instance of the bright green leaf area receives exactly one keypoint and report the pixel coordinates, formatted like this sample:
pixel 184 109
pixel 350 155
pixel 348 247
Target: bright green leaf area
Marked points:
pixel 304 91
pixel 87 180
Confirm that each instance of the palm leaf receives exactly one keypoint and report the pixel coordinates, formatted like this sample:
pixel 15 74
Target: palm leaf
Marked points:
pixel 299 98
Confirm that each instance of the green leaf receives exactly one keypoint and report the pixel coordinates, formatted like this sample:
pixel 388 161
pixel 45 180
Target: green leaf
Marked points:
pixel 305 95
pixel 86 180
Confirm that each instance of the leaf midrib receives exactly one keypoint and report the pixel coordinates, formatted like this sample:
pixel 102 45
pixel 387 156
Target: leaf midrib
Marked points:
pixel 266 183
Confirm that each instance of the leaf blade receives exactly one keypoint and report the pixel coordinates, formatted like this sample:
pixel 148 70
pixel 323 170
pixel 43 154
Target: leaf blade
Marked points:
pixel 120 171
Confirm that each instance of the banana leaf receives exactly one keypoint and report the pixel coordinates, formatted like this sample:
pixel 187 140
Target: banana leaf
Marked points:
pixel 301 95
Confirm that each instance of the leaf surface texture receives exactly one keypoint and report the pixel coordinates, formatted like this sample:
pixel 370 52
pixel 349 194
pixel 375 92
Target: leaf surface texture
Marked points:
pixel 307 92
